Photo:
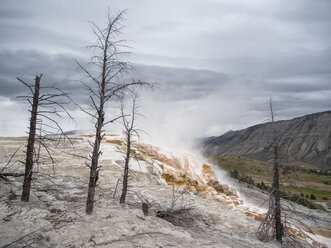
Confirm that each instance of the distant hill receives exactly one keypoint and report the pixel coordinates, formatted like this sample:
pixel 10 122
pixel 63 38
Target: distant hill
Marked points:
pixel 303 139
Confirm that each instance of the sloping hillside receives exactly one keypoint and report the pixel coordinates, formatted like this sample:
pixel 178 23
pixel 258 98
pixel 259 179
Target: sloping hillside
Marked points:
pixel 55 215
pixel 304 139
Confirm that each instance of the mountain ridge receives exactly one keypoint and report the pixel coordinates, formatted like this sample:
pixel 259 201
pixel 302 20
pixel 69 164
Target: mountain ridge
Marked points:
pixel 302 139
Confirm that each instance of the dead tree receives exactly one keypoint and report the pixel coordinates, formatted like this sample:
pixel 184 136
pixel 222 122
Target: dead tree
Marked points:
pixel 104 72
pixel 275 193
pixel 130 130
pixel 31 140
pixel 272 226
pixel 283 221
pixel 47 103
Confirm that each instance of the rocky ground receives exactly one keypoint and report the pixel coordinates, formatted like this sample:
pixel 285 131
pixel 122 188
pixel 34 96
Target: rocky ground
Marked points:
pixel 55 215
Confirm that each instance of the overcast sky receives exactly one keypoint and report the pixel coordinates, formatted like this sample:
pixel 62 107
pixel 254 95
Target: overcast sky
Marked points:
pixel 217 62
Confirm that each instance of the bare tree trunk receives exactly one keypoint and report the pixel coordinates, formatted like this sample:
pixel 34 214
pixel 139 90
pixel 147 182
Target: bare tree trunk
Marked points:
pixel 276 195
pixel 93 172
pixel 95 155
pixel 275 181
pixel 126 168
pixel 273 224
pixel 130 130
pixel 144 207
pixel 98 133
pixel 31 141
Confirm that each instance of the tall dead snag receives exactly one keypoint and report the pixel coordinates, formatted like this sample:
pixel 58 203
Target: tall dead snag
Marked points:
pixel 272 226
pixel 31 140
pixel 275 193
pixel 47 103
pixel 129 130
pixel 106 66
pixel 283 221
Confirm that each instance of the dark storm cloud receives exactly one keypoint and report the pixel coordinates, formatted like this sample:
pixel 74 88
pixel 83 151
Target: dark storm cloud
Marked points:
pixel 306 11
pixel 13 13
pixel 309 85
pixel 181 83
pixel 62 70
pixel 57 69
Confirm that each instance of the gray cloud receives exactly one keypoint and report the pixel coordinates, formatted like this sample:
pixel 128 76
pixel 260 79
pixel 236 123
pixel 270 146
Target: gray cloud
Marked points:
pixel 58 69
pixel 216 62
pixel 186 103
pixel 13 13
pixel 181 83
